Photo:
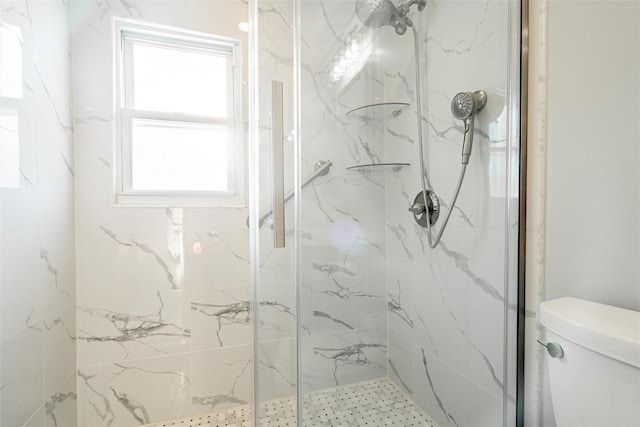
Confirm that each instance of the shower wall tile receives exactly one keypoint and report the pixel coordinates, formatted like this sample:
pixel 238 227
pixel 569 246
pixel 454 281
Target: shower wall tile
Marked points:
pixel 343 234
pixel 57 261
pixel 400 360
pixel 467 263
pixel 220 317
pixel 276 311
pixel 216 247
pixel 163 293
pixel 276 369
pixel 36 420
pixel 22 281
pixel 446 306
pixel 119 326
pixel 464 336
pixel 452 399
pixel 37 237
pixel 276 265
pixel 61 408
pixel 136 392
pixel 345 357
pixel 148 390
pixel 59 349
pixel 22 376
pixel 127 249
pixel 345 293
pixel 222 378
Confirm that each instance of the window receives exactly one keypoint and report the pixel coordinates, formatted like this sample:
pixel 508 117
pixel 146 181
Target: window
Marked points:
pixel 178 122
pixel 10 104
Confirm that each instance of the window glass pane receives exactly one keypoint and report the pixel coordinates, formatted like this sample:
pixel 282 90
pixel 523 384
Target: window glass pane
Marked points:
pixel 11 60
pixel 174 157
pixel 9 150
pixel 173 80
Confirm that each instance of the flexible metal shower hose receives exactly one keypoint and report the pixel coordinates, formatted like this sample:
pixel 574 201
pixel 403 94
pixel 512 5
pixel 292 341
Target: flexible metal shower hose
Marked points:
pixel 432 243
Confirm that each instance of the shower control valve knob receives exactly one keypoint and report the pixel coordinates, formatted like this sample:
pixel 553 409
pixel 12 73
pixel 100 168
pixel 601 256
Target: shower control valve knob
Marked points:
pixel 421 210
pixel 417 209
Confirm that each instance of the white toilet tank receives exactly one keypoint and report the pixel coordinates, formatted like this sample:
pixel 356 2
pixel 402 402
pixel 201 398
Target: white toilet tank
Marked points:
pixel 597 381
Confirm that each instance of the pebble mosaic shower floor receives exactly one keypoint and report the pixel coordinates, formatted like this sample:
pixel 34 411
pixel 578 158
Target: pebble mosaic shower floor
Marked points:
pixel 376 403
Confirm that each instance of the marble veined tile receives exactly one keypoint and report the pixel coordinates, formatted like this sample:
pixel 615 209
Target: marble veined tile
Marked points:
pixel 115 327
pixel 221 378
pixel 61 406
pixel 220 317
pixel 340 358
pixel 134 393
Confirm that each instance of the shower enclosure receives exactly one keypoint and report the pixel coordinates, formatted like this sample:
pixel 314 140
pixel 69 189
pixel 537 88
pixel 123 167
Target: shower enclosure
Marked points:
pixel 348 295
pixel 332 307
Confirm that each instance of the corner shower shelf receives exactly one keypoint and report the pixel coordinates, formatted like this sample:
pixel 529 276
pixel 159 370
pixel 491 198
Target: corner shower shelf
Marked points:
pixel 378 112
pixel 378 167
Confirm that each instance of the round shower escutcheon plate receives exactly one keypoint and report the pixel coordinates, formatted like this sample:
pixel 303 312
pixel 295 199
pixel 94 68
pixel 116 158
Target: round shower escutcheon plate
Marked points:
pixel 433 207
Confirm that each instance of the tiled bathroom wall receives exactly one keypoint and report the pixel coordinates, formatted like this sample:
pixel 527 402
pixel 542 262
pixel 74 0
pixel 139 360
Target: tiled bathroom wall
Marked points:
pixel 163 293
pixel 37 262
pixel 343 248
pixel 446 306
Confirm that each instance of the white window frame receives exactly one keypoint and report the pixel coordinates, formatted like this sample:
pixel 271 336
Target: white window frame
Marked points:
pixel 127 32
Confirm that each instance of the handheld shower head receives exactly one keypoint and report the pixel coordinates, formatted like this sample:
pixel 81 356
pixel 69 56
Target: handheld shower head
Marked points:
pixel 464 106
pixel 380 13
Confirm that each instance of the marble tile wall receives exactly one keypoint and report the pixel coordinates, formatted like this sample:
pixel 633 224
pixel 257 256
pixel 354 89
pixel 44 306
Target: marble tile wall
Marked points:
pixel 343 250
pixel 446 306
pixel 37 248
pixel 163 313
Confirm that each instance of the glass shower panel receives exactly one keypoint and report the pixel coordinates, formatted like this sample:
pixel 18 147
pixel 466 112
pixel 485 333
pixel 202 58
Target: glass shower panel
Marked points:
pixel 274 268
pixel 343 247
pixel 384 318
pixel 357 316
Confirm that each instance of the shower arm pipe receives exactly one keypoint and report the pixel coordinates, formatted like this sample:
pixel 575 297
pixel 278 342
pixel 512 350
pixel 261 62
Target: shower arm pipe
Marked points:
pixel 432 243
pixel 406 6
pixel 321 169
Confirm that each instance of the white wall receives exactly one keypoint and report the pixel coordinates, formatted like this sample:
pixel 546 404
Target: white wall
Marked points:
pixel 584 184
pixel 593 208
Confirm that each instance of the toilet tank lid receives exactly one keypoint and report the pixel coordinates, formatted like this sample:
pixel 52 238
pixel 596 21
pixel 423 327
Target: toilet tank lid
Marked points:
pixel 611 331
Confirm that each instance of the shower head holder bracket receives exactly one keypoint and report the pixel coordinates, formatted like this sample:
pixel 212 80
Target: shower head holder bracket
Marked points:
pixel 418 209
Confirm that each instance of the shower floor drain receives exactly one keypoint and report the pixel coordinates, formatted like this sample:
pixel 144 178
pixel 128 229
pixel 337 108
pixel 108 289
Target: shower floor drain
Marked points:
pixel 376 403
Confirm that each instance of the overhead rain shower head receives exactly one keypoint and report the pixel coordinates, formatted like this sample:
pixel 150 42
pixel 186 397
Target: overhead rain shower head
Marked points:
pixel 380 13
pixel 375 13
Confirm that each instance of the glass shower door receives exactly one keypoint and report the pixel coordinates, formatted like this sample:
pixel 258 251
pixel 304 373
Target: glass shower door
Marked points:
pixel 388 322
pixel 356 316
pixel 272 218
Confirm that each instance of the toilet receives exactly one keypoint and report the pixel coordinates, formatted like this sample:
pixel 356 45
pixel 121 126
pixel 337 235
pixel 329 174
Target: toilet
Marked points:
pixel 595 379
